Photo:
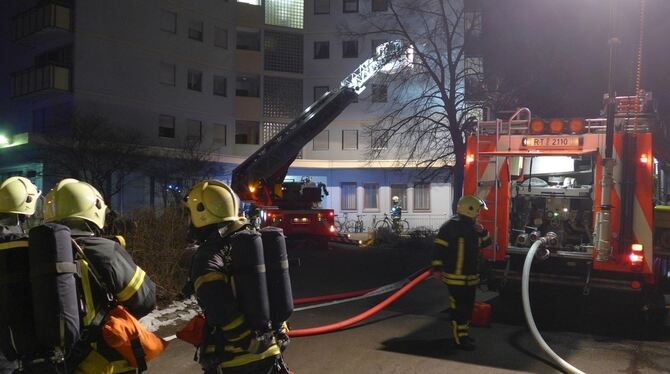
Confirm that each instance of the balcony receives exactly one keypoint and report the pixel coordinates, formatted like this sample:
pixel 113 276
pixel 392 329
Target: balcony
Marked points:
pixel 41 79
pixel 47 21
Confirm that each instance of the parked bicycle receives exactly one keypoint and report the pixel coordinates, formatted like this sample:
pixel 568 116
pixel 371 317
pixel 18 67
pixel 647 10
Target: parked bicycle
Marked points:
pixel 398 226
pixel 349 225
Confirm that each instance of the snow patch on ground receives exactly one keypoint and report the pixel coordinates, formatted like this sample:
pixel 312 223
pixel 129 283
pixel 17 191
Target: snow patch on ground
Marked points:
pixel 178 311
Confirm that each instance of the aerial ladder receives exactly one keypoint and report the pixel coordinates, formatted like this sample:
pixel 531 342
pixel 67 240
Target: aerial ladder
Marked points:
pixel 259 180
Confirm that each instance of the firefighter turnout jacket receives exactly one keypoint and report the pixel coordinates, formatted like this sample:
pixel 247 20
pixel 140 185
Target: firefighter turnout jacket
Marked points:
pixel 229 339
pixel 456 251
pixel 130 286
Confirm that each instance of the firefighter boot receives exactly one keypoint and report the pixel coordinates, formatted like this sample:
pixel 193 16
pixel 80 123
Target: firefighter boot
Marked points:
pixel 466 343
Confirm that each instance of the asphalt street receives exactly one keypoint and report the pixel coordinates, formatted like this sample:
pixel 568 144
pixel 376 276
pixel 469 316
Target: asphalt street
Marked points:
pixel 412 335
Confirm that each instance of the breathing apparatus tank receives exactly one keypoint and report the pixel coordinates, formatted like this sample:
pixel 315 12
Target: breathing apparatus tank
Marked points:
pixel 278 278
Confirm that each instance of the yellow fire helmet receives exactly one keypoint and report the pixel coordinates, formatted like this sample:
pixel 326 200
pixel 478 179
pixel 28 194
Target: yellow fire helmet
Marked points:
pixel 18 195
pixel 211 202
pixel 71 198
pixel 470 206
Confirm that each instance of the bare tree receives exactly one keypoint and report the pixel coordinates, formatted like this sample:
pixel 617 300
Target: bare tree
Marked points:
pixel 95 152
pixel 176 173
pixel 428 114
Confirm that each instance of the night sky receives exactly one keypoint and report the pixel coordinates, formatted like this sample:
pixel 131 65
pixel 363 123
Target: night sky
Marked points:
pixel 555 52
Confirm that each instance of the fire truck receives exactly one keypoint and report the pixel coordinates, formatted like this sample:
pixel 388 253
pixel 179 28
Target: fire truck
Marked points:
pixel 591 190
pixel 294 206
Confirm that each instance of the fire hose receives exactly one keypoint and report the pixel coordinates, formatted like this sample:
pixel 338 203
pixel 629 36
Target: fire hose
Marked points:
pixel 367 314
pixel 529 315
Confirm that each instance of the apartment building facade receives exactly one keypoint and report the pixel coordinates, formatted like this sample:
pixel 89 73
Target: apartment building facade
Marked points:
pixel 227 75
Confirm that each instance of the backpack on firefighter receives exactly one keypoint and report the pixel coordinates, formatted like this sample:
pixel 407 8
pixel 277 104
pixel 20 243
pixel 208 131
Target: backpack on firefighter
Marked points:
pixel 259 269
pixel 66 309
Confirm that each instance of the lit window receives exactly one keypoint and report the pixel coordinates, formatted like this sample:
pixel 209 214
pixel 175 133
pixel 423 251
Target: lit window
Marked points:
pixel 195 30
pixel 167 74
pixel 287 13
pixel 165 126
pixel 321 50
pixel 348 196
pixel 422 196
pixel 220 86
pixel 168 21
pixel 371 196
pixel 349 139
pixel 194 80
pixel 350 48
pixel 350 6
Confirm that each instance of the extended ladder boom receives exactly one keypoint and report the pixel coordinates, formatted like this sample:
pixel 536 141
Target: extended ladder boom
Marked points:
pixel 256 177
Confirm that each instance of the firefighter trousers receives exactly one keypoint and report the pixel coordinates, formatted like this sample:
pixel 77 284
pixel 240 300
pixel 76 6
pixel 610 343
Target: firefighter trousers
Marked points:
pixel 461 302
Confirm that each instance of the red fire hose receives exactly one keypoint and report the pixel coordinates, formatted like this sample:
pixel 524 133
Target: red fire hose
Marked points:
pixel 368 313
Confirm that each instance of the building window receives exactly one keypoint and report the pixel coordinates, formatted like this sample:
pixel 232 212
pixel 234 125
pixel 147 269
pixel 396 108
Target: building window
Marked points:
pixel 473 23
pixel 399 190
pixel 319 91
pixel 282 97
pixel 321 50
pixel 168 21
pixel 167 74
pixel 221 37
pixel 350 48
pixel 195 30
pixel 220 86
pixel 287 13
pixel 193 130
pixel 219 134
pixel 321 6
pixel 421 196
pixel 379 139
pixel 379 93
pixel 371 196
pixel 247 85
pixel 194 80
pixel 246 132
pixel 165 126
pixel 283 52
pixel 348 198
pixel 321 141
pixel 349 139
pixel 248 39
pixel 376 43
pixel 380 5
pixel 350 6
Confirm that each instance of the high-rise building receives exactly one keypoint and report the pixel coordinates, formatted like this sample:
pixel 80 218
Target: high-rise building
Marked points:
pixel 222 74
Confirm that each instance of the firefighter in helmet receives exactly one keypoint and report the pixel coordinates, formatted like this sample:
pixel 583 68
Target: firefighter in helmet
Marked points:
pixel 18 197
pixel 79 206
pixel 230 344
pixel 456 253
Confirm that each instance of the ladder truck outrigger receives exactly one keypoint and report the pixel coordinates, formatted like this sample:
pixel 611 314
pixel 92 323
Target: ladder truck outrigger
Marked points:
pixel 294 206
pixel 603 222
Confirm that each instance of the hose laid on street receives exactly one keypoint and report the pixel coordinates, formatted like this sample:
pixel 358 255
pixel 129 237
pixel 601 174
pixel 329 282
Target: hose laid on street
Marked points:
pixel 367 314
pixel 529 315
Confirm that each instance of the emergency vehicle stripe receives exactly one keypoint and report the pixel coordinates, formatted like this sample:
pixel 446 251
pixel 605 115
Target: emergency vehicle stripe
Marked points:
pixel 643 209
pixel 133 286
pixel 441 242
pixel 14 244
pixel 460 255
pixel 209 277
pixel 88 295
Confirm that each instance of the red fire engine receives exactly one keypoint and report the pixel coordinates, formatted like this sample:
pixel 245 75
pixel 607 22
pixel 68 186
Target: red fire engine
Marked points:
pixel 294 206
pixel 592 193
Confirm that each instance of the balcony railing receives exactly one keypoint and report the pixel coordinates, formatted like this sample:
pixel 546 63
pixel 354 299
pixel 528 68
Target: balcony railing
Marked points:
pixel 41 17
pixel 41 78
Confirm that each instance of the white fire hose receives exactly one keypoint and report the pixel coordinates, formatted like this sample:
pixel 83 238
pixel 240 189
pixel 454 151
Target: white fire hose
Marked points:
pixel 525 280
